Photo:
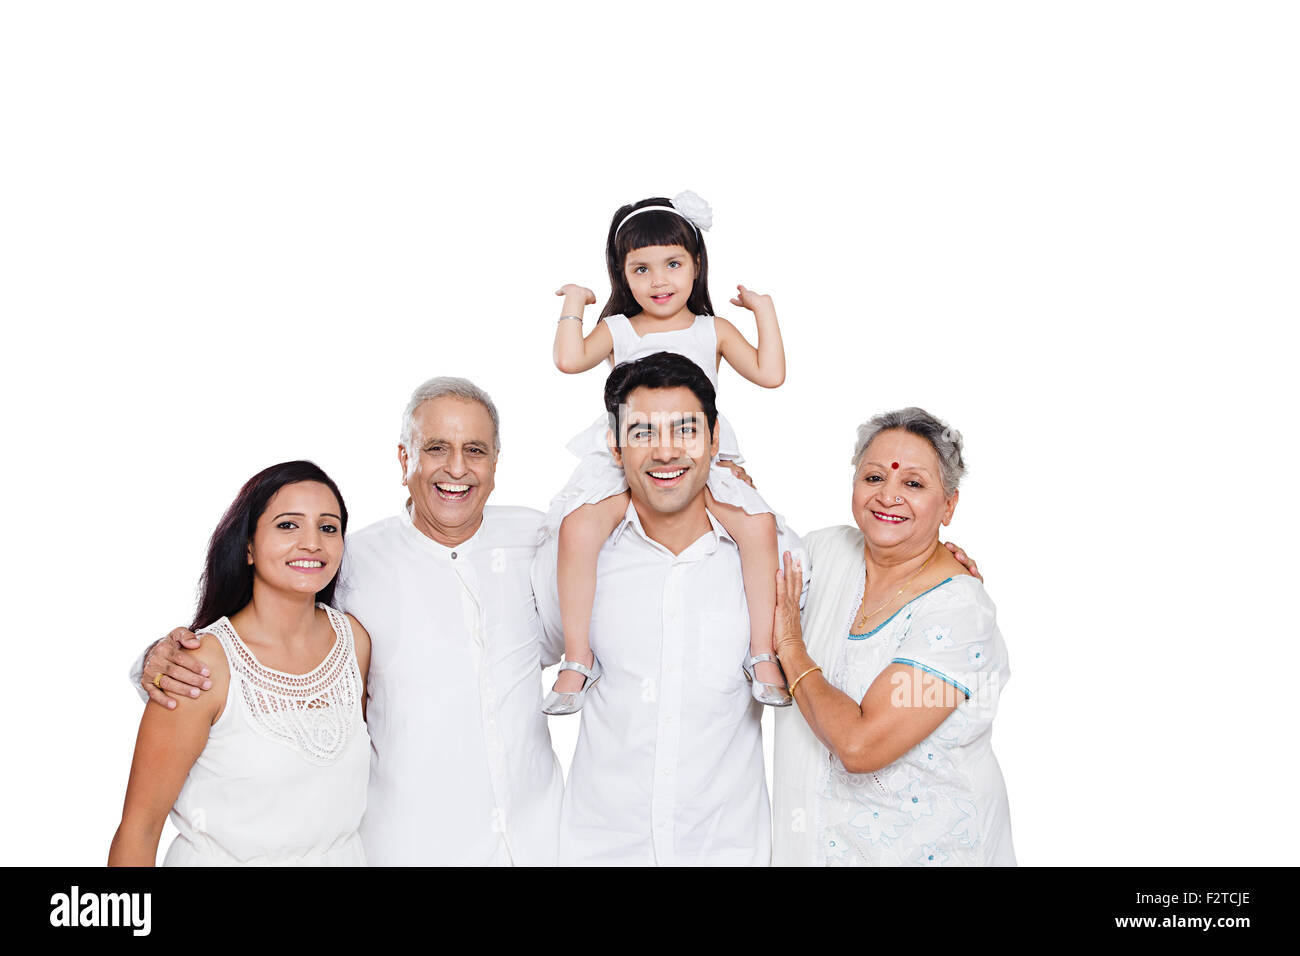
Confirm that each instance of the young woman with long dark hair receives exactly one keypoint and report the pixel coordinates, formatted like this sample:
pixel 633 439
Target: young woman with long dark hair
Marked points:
pixel 270 768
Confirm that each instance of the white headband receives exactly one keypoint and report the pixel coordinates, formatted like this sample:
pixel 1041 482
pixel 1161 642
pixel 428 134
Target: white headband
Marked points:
pixel 685 204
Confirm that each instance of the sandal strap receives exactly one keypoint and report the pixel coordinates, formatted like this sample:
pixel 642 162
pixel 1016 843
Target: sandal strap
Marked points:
pixel 585 671
pixel 759 658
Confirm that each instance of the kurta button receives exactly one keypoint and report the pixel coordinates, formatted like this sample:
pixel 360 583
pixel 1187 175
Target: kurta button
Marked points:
pixel 453 555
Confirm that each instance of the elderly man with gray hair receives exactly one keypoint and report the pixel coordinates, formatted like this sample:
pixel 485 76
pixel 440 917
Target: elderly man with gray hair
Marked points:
pixel 462 771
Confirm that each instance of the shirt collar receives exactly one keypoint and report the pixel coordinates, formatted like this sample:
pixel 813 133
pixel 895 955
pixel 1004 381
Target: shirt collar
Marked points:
pixel 436 548
pixel 631 519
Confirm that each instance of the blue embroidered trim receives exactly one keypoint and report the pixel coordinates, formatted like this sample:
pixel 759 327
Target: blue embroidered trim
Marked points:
pixel 859 637
pixel 930 670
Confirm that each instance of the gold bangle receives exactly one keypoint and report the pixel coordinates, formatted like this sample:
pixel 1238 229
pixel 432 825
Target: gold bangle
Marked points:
pixel 815 667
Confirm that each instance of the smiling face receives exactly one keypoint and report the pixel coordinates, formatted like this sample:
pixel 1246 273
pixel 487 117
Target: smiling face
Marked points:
pixel 666 448
pixel 298 542
pixel 898 497
pixel 455 470
pixel 661 279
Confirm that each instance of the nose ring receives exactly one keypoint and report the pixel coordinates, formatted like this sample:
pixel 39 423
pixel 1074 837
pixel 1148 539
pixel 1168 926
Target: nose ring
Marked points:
pixel 899 500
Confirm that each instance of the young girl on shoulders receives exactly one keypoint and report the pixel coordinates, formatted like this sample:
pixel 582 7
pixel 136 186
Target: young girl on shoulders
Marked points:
pixel 658 272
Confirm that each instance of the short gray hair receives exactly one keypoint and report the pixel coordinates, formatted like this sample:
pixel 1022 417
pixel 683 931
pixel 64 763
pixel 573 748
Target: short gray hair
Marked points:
pixel 945 440
pixel 441 387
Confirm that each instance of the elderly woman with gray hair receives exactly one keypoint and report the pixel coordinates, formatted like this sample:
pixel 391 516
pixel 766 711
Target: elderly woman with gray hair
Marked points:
pixel 896 668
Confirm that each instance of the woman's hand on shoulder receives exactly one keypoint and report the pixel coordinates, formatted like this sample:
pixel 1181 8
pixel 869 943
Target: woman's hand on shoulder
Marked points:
pixel 577 293
pixel 965 560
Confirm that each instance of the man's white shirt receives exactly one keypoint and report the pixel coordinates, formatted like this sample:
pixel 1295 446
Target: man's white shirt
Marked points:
pixel 462 771
pixel 669 762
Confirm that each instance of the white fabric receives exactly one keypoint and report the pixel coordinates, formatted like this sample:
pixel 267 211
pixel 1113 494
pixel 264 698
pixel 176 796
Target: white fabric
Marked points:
pixel 944 801
pixel 669 763
pixel 462 771
pixel 282 779
pixel 597 477
pixel 697 342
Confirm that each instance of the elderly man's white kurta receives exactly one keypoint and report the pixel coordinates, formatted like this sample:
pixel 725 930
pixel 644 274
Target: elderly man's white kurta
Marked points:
pixel 669 763
pixel 461 771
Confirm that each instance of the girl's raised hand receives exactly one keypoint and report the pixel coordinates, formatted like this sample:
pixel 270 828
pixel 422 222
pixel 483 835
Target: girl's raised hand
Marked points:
pixel 581 293
pixel 751 300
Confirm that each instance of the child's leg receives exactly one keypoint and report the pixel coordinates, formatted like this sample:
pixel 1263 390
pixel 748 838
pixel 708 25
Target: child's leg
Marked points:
pixel 755 535
pixel 583 533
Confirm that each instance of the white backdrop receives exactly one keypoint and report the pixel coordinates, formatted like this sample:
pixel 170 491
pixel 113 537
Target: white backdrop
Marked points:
pixel 233 234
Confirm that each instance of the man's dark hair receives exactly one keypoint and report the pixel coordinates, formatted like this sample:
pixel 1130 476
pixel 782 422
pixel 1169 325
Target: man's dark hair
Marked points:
pixel 660 370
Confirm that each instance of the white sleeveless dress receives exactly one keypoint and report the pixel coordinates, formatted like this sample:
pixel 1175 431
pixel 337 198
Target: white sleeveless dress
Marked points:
pixel 597 477
pixel 282 779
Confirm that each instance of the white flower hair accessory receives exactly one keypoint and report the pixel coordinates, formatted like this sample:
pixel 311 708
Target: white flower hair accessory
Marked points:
pixel 686 204
pixel 693 208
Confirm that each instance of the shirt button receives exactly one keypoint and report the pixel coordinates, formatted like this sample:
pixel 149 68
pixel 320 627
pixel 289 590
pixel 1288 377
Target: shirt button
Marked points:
pixel 453 555
pixel 668 773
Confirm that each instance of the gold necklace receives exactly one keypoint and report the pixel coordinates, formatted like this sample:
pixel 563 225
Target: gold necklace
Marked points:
pixel 862 619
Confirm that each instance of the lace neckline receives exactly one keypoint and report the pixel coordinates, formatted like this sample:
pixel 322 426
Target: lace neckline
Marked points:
pixel 256 662
pixel 316 713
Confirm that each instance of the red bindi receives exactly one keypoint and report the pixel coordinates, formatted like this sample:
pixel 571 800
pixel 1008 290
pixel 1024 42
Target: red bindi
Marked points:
pixel 894 466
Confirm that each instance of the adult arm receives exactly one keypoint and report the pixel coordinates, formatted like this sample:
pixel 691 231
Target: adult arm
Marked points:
pixel 168 743
pixel 764 365
pixel 903 705
pixel 177 672
pixel 572 352
pixel 547 598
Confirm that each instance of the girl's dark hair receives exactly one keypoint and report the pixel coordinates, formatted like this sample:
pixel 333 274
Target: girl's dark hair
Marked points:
pixel 657 228
pixel 227 583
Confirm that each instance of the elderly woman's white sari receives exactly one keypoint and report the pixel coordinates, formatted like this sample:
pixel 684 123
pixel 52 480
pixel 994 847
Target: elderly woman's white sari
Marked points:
pixel 941 803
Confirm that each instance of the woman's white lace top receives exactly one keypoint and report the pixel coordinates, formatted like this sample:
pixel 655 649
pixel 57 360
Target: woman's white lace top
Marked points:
pixel 282 779
pixel 314 712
